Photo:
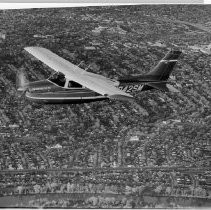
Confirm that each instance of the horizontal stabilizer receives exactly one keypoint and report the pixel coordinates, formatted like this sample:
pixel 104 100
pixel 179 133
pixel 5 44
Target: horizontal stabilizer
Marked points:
pixel 163 86
pixel 172 89
pixel 121 98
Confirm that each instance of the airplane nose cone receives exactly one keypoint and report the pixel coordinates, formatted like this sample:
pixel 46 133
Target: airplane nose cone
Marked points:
pixel 21 89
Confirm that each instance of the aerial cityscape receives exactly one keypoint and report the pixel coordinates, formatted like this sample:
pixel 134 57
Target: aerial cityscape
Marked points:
pixel 154 152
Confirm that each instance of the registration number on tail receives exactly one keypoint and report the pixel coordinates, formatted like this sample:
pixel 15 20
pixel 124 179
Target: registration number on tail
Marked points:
pixel 130 88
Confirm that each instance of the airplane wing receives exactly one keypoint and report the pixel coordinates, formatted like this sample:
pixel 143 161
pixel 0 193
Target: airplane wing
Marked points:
pixel 92 81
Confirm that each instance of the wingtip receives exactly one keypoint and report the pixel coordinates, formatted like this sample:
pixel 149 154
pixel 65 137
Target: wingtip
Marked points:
pixel 30 48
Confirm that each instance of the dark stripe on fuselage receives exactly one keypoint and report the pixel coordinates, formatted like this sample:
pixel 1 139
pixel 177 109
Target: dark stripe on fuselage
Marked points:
pixel 43 98
pixel 139 79
pixel 62 94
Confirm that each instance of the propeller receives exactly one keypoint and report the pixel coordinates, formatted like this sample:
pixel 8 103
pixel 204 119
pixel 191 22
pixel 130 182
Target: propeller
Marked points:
pixel 21 83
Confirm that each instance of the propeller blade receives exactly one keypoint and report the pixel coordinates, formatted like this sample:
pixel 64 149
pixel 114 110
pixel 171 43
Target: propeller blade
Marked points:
pixel 21 81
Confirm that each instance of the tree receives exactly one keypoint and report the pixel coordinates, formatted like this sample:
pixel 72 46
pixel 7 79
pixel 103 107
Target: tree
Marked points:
pixel 68 187
pixel 127 190
pixel 37 188
pixel 198 191
pixel 192 189
pixel 168 190
pixel 158 189
pixel 20 189
pixel 93 200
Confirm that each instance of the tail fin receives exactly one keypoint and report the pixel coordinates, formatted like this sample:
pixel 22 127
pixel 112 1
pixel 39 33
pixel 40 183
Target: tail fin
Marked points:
pixel 166 65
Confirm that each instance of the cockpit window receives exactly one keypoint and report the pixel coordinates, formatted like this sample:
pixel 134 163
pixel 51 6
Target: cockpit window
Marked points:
pixel 58 78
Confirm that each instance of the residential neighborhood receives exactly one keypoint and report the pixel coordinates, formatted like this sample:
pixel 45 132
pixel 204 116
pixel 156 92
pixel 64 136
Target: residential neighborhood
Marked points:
pixel 152 153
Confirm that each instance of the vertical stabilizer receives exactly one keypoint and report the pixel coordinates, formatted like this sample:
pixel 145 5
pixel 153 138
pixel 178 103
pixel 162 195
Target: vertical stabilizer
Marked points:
pixel 166 65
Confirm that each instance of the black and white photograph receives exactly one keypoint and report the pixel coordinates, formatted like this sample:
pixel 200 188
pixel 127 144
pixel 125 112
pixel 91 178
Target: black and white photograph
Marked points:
pixel 105 106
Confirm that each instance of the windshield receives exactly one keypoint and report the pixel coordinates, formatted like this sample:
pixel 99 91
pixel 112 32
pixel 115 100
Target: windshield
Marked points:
pixel 58 78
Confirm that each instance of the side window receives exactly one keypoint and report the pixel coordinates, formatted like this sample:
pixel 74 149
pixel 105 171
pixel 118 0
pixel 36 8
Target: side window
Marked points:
pixel 73 84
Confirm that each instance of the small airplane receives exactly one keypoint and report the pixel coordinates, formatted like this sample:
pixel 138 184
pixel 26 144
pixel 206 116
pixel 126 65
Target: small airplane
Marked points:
pixel 72 84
